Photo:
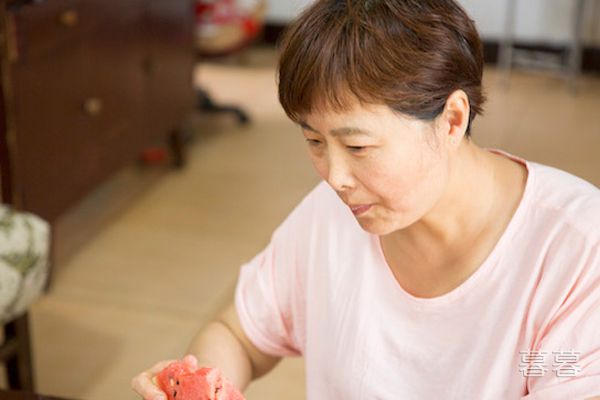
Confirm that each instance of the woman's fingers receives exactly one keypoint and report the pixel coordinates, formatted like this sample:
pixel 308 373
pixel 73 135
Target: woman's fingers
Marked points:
pixel 145 387
pixel 144 384
pixel 191 361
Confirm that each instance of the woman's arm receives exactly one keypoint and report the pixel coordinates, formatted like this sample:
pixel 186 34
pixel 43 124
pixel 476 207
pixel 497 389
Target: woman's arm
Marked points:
pixel 224 344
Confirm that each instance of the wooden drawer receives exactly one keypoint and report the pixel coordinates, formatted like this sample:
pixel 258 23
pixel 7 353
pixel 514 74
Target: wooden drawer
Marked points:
pixel 113 57
pixel 82 87
pixel 44 28
pixel 78 113
pixel 53 145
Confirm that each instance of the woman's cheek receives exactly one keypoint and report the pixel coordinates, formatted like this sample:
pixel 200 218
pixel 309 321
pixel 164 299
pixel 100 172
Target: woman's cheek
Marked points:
pixel 378 182
pixel 320 165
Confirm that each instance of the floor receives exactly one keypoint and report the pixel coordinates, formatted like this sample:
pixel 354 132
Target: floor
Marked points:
pixel 160 269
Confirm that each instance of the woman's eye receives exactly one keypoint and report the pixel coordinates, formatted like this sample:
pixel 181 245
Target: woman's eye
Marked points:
pixel 356 149
pixel 312 142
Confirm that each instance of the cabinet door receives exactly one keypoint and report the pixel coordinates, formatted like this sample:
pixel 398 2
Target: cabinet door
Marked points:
pixel 95 83
pixel 169 30
pixel 53 147
pixel 113 65
pixel 45 28
pixel 78 98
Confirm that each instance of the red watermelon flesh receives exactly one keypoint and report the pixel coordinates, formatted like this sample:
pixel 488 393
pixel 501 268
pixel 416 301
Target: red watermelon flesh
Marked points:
pixel 180 382
pixel 229 392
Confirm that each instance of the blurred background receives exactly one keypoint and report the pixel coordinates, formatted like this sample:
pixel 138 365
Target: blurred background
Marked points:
pixel 147 133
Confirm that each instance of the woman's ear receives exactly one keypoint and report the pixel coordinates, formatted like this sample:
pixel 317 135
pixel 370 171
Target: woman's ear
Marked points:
pixel 455 117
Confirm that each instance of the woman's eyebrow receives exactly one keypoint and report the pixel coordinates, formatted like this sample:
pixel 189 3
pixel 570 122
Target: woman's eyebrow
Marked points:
pixel 350 130
pixel 346 131
pixel 306 126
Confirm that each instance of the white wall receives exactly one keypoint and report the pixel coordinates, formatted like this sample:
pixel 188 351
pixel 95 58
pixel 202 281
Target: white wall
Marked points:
pixel 548 21
pixel 537 20
pixel 284 10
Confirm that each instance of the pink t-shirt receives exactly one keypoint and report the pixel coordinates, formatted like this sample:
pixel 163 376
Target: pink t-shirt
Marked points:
pixel 525 325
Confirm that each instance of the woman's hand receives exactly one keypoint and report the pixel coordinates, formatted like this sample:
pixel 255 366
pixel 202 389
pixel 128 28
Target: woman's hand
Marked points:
pixel 144 384
pixel 221 344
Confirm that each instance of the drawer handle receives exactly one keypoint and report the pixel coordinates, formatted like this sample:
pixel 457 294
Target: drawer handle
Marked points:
pixel 93 106
pixel 69 18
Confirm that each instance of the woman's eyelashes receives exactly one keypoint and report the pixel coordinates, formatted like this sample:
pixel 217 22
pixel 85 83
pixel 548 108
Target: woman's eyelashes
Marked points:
pixel 356 149
pixel 352 149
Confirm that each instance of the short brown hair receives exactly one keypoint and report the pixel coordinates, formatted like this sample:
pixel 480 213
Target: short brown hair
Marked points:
pixel 407 54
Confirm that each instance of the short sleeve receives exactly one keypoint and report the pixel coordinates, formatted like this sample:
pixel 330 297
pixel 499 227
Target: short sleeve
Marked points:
pixel 570 344
pixel 265 316
pixel 270 294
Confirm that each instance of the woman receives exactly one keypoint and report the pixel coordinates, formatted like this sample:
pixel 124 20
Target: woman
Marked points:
pixel 423 267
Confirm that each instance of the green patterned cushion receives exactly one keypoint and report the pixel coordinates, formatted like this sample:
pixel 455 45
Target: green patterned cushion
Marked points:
pixel 24 248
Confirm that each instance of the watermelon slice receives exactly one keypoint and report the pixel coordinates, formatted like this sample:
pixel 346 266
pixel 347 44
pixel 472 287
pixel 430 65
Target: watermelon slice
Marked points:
pixel 180 382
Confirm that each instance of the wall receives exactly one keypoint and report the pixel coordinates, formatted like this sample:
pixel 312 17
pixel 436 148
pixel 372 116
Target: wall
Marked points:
pixel 549 21
pixel 283 10
pixel 543 21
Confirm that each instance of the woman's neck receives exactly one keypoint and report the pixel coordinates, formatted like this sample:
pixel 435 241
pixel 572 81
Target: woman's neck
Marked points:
pixel 459 218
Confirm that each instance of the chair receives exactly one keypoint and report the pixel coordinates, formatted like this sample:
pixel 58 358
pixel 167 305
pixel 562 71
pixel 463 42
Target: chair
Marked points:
pixel 224 29
pixel 24 251
pixel 541 59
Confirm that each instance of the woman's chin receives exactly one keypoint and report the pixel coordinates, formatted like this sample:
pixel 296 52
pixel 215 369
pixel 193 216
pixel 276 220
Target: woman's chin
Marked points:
pixel 374 227
pixel 380 226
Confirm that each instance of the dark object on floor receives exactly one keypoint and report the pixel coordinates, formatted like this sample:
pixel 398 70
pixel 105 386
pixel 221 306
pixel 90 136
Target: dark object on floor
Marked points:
pixel 15 353
pixel 206 104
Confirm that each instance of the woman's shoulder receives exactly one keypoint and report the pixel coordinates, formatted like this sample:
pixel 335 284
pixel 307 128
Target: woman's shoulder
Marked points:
pixel 555 179
pixel 563 197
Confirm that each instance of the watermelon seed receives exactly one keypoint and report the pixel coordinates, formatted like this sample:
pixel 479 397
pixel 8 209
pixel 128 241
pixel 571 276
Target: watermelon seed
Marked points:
pixel 175 393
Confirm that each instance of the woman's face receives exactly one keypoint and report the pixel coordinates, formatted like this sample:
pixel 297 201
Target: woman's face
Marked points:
pixel 390 170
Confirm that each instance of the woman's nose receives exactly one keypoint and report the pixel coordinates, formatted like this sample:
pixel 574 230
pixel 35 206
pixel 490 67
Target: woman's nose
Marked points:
pixel 339 174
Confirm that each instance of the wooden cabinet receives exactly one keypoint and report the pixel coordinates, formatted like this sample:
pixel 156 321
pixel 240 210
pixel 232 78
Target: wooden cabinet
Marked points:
pixel 167 50
pixel 88 86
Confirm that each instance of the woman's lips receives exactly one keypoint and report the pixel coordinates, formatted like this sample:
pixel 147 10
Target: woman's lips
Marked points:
pixel 360 209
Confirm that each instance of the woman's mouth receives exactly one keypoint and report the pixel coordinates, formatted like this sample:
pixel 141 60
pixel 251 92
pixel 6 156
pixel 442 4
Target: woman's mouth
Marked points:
pixel 360 209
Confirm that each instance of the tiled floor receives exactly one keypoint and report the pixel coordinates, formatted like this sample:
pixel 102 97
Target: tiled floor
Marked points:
pixel 137 292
